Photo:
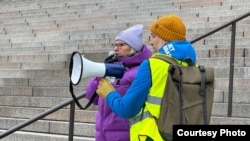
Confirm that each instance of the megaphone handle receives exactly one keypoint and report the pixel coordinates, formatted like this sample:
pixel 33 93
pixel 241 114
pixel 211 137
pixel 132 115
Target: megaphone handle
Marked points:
pixel 76 100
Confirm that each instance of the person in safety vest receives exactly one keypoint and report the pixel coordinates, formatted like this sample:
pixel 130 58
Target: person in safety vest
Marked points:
pixel 168 37
pixel 130 51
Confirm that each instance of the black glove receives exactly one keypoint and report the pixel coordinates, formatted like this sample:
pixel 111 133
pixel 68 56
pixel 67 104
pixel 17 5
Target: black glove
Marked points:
pixel 110 59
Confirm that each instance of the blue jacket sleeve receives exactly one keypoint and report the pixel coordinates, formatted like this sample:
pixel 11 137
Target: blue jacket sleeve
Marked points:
pixel 131 103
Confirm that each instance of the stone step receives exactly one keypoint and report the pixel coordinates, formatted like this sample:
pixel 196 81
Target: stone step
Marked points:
pixel 39 57
pixel 229 121
pixel 49 57
pixel 241 84
pixel 223 40
pixel 21 6
pixel 39 102
pixel 42 67
pixel 58 47
pixel 8 31
pixel 24 136
pixel 51 127
pixel 60 92
pixel 239 96
pixel 17 91
pixel 223 62
pixel 29 101
pixel 239 72
pixel 24 34
pixel 238 110
pixel 35 82
pixel 9 14
pixel 60 115
pixel 20 88
pixel 222 52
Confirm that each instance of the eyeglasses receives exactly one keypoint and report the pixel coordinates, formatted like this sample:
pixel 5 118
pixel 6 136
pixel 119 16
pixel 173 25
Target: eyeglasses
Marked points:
pixel 119 45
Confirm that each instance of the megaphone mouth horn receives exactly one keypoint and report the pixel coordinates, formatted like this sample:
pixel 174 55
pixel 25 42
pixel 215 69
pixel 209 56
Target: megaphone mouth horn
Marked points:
pixel 81 67
pixel 76 68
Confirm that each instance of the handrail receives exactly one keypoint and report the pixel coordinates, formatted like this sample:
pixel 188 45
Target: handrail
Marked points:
pixel 70 102
pixel 231 71
pixel 220 27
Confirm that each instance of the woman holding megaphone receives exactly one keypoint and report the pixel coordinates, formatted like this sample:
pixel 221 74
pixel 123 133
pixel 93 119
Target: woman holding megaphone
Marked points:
pixel 130 51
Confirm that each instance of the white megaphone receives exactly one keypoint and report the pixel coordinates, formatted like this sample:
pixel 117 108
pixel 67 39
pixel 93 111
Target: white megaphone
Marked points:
pixel 81 68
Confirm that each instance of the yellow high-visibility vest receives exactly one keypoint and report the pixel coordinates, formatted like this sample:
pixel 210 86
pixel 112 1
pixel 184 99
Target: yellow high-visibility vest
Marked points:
pixel 143 125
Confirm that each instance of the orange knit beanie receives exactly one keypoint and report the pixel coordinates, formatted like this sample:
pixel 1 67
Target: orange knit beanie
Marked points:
pixel 169 27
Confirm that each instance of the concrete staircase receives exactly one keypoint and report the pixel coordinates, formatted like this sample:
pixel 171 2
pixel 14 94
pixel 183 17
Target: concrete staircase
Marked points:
pixel 37 38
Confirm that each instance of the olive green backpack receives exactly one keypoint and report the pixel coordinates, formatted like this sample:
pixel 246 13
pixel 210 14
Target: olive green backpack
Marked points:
pixel 188 97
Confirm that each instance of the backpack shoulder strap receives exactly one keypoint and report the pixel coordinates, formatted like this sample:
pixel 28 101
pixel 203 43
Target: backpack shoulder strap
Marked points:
pixel 165 58
pixel 203 92
pixel 175 66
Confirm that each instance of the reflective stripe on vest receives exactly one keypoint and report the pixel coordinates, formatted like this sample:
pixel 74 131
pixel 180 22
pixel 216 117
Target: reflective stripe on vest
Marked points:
pixel 154 100
pixel 141 116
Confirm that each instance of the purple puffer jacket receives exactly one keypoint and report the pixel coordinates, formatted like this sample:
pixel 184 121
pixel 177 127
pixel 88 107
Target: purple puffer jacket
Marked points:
pixel 110 127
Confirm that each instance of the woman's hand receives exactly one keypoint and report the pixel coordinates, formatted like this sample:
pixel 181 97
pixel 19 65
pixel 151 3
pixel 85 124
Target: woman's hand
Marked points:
pixel 104 88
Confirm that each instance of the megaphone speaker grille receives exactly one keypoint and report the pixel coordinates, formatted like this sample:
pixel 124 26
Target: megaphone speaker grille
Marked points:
pixel 76 68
